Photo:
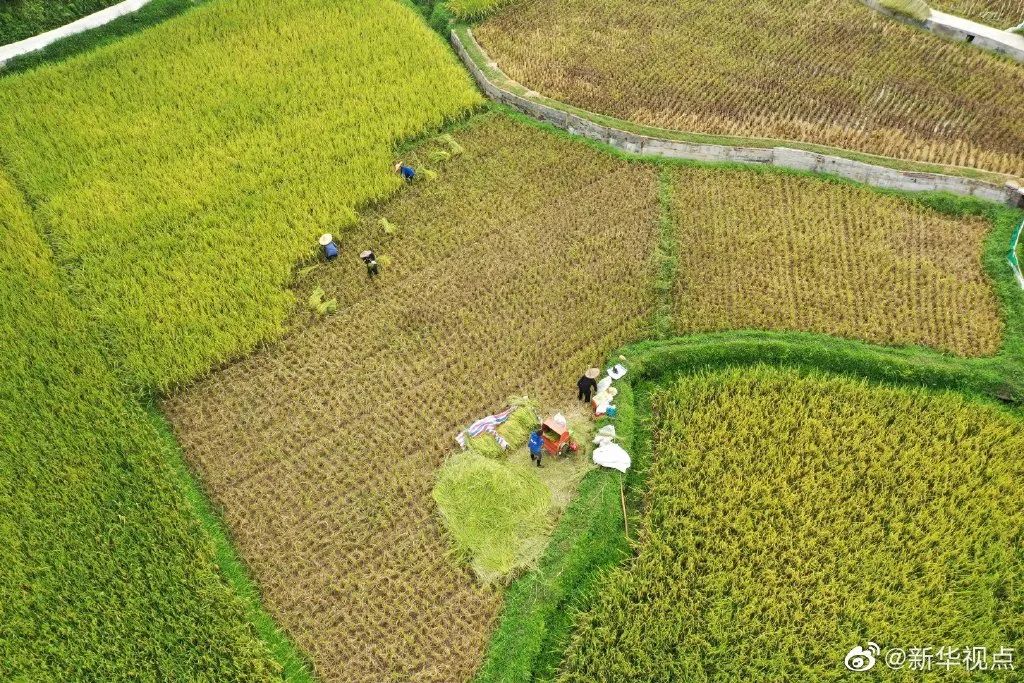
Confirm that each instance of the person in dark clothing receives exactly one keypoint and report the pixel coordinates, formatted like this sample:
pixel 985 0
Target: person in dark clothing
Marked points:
pixel 536 445
pixel 588 384
pixel 407 172
pixel 371 263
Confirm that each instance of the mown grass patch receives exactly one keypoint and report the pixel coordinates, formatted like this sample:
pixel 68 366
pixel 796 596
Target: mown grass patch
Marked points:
pixel 179 192
pixel 493 512
pixel 789 517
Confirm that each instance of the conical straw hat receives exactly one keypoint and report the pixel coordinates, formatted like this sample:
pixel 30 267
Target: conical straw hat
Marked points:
pixel 592 373
pixel 326 239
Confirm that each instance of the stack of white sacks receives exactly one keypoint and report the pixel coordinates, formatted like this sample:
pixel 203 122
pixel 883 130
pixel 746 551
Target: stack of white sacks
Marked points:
pixel 608 453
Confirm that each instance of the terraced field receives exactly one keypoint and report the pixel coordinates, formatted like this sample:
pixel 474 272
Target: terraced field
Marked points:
pixel 830 72
pixel 322 450
pixel 788 518
pixel 783 252
pixel 178 193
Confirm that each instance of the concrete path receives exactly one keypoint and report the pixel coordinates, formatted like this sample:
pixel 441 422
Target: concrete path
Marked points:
pixel 94 20
pixel 957 28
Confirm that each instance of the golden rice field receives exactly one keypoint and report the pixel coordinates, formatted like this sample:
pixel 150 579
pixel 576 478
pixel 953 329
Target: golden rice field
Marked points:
pixel 106 574
pixel 789 518
pixel 829 72
pixel 180 172
pixel 520 265
pixel 999 13
pixel 785 252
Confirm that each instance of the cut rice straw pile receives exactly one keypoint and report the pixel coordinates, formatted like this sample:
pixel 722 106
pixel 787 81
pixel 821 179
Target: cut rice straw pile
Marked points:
pixel 495 513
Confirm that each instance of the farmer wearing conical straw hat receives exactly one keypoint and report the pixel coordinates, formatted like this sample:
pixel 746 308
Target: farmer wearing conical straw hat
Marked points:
pixel 407 172
pixel 330 248
pixel 370 259
pixel 588 384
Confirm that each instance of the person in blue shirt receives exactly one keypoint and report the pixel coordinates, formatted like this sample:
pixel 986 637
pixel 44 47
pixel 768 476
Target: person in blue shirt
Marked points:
pixel 407 172
pixel 330 248
pixel 536 445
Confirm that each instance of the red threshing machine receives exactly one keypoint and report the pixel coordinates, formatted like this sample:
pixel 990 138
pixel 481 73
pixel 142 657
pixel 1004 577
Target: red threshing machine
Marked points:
pixel 555 434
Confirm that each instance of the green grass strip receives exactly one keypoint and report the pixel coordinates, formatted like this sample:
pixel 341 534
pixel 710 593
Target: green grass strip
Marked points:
pixel 666 259
pixel 295 667
pixel 148 15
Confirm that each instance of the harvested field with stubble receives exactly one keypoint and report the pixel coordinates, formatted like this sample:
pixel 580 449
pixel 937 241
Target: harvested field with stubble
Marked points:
pixel 828 72
pixel 786 252
pixel 524 262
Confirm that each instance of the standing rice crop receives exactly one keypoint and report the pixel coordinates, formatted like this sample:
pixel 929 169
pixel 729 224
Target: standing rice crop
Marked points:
pixel 829 72
pixel 1002 14
pixel 182 171
pixel 783 252
pixel 105 573
pixel 789 518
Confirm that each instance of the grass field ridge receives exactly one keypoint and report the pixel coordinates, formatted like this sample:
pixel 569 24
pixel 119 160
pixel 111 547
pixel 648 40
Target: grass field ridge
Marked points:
pixel 882 172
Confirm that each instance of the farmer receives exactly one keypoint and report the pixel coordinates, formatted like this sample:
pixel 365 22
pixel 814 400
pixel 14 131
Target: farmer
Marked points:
pixel 536 445
pixel 407 172
pixel 330 248
pixel 588 384
pixel 371 263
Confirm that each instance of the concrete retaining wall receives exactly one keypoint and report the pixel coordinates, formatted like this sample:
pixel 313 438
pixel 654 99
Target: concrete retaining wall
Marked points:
pixel 94 20
pixel 784 157
pixel 953 27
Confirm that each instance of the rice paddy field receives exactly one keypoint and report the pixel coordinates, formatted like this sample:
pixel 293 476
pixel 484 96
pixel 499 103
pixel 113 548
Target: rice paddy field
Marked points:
pixel 784 252
pixel 106 572
pixel 322 450
pixel 1002 14
pixel 788 517
pixel 829 72
pixel 224 458
pixel 178 193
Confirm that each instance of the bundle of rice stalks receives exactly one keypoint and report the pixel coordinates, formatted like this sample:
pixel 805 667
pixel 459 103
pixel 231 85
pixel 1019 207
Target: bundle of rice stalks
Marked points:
pixel 317 303
pixel 515 430
pixel 497 514
pixel 454 147
pixel 439 155
pixel 387 226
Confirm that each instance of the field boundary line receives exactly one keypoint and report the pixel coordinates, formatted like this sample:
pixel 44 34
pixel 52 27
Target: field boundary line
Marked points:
pixel 1012 255
pixel 586 124
pixel 86 23
pixel 959 29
